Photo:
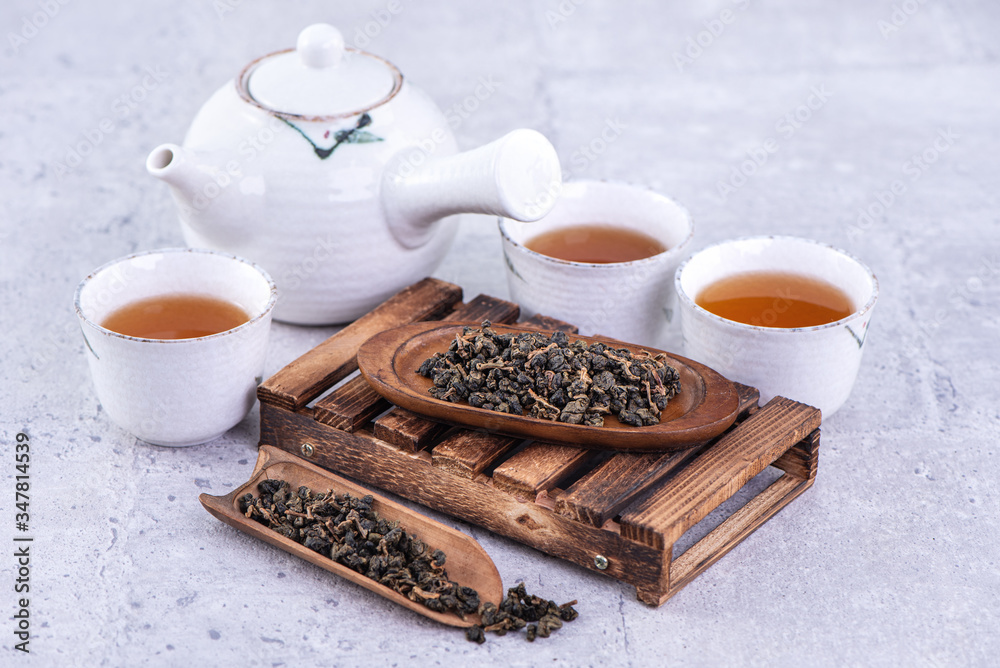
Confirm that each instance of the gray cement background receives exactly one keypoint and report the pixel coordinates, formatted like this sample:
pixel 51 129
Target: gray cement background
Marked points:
pixel 891 559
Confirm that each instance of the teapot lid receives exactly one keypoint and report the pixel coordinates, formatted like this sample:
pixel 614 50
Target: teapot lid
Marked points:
pixel 319 79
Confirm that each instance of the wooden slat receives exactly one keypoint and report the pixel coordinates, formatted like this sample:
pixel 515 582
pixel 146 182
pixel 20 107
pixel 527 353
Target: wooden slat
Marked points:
pixel 336 358
pixel 484 307
pixel 411 432
pixel 730 533
pixel 802 459
pixel 719 472
pixel 468 453
pixel 408 431
pixel 546 324
pixel 538 468
pixel 604 492
pixel 351 405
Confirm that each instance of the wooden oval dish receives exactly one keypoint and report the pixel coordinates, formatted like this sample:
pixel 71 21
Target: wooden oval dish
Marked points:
pixel 706 406
pixel 467 563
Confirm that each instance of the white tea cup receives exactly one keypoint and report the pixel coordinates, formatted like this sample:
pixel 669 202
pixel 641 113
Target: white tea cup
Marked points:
pixel 631 301
pixel 815 365
pixel 176 392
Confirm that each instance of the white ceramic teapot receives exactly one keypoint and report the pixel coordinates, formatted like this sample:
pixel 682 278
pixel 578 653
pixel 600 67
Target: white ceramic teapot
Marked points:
pixel 321 164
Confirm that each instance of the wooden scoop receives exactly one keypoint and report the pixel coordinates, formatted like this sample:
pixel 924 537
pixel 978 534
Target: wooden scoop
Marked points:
pixel 467 563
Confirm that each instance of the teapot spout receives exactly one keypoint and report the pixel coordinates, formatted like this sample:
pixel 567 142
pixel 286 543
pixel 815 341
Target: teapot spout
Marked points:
pixel 176 166
pixel 517 176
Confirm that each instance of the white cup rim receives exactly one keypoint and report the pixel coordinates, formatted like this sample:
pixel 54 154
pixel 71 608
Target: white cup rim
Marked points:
pixel 272 299
pixel 689 300
pixel 606 266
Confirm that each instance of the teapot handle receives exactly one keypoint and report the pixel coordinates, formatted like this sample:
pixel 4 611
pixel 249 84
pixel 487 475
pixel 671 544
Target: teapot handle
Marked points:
pixel 517 176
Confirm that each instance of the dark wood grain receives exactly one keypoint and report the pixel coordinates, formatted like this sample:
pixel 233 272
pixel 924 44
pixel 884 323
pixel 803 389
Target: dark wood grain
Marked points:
pixel 719 472
pixel 407 430
pixel 468 453
pixel 484 307
pixel 538 468
pixel 749 396
pixel 544 323
pixel 601 494
pixel 802 459
pixel 351 405
pixel 356 403
pixel 333 360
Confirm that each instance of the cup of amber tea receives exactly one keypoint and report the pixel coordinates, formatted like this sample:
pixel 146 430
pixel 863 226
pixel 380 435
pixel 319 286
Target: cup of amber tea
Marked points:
pixel 176 341
pixel 788 316
pixel 603 259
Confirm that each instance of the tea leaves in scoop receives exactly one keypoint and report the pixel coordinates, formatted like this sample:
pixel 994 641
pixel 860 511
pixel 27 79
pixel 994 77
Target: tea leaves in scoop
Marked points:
pixel 351 532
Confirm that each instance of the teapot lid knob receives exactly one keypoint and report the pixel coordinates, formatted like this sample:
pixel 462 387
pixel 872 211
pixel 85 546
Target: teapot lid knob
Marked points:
pixel 316 80
pixel 320 45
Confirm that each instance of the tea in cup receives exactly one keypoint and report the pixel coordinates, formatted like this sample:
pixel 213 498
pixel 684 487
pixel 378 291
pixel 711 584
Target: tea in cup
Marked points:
pixel 603 259
pixel 176 341
pixel 788 316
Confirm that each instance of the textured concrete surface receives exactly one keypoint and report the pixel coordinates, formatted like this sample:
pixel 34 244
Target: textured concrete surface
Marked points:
pixel 890 559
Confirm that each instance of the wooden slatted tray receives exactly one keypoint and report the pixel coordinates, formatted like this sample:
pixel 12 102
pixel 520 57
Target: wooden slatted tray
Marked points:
pixel 616 513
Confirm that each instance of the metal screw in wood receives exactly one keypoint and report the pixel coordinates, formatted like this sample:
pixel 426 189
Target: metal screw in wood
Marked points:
pixel 308 449
pixel 601 562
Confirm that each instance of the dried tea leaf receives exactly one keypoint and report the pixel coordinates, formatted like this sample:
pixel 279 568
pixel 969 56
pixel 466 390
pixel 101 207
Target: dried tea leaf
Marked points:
pixel 551 378
pixel 347 530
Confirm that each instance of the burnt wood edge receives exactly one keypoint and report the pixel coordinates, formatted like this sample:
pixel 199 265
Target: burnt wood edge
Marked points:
pixel 354 420
pixel 749 400
pixel 350 406
pixel 408 431
pixel 703 486
pixel 544 323
pixel 369 460
pixel 484 307
pixel 574 462
pixel 469 453
pixel 748 404
pixel 597 501
pixel 802 459
pixel 428 299
pixel 799 465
